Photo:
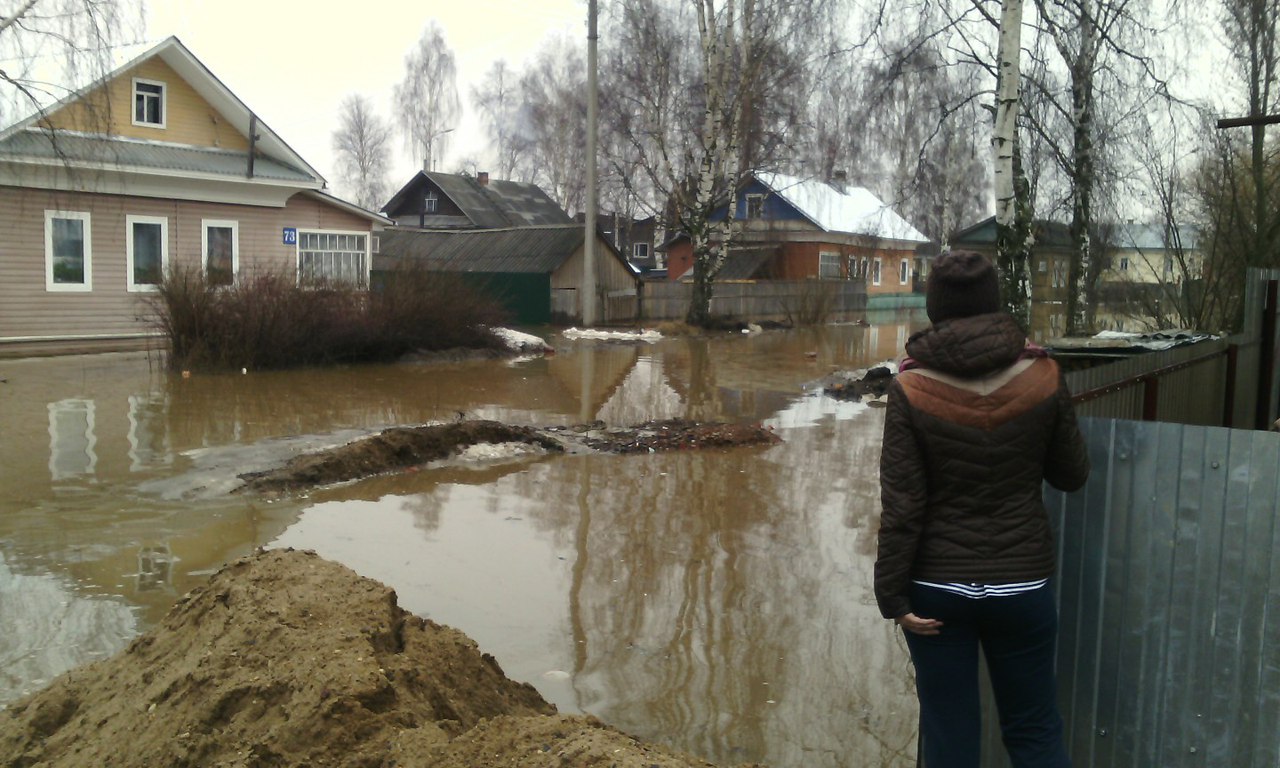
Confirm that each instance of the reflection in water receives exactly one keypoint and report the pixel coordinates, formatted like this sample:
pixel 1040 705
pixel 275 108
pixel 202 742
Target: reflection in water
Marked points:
pixel 49 629
pixel 71 439
pixel 717 601
pixel 148 432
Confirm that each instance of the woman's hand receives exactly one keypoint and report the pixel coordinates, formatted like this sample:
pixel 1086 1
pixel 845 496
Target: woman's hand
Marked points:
pixel 919 626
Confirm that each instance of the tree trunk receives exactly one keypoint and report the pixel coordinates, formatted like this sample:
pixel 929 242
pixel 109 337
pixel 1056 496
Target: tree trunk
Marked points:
pixel 699 314
pixel 1080 304
pixel 1013 205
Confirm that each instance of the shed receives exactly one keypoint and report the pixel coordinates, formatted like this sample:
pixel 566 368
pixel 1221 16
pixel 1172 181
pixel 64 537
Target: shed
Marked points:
pixel 536 272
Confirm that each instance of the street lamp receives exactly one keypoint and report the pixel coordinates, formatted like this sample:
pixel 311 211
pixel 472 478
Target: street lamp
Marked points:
pixel 428 162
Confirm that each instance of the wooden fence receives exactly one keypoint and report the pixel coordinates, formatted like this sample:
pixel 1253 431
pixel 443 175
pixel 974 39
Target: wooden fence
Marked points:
pixel 798 301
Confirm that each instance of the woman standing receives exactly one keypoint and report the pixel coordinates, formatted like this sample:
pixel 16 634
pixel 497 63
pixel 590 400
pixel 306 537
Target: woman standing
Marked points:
pixel 977 420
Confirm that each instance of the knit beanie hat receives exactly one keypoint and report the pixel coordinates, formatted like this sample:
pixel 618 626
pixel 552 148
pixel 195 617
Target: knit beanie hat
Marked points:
pixel 961 284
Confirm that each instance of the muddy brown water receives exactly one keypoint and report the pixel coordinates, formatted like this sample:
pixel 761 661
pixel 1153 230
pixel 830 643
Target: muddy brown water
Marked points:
pixel 716 601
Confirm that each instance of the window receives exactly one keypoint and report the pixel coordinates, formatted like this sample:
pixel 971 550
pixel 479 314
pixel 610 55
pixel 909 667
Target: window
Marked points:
pixel 1124 263
pixel 333 257
pixel 1168 266
pixel 904 271
pixel 640 251
pixel 829 266
pixel 1044 266
pixel 430 203
pixel 220 244
pixel 148 103
pixel 1059 275
pixel 68 254
pixel 875 271
pixel 146 251
pixel 755 206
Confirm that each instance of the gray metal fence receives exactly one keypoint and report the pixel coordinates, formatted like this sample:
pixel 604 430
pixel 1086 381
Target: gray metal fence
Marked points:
pixel 1188 385
pixel 1169 586
pixel 1232 381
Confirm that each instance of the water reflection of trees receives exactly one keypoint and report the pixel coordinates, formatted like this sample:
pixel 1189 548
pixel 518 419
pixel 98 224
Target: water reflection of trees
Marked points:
pixel 721 600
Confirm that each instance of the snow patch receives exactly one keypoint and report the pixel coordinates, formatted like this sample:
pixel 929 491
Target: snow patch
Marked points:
pixel 517 341
pixel 647 335
pixel 497 451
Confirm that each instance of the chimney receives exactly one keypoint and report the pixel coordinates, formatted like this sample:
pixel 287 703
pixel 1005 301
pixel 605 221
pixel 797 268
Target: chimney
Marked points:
pixel 482 178
pixel 839 180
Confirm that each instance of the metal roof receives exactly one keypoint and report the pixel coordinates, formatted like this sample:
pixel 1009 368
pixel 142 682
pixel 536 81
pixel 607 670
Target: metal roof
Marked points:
pixel 855 210
pixel 530 250
pixel 1151 237
pixel 125 153
pixel 195 74
pixel 740 264
pixel 494 205
pixel 1109 343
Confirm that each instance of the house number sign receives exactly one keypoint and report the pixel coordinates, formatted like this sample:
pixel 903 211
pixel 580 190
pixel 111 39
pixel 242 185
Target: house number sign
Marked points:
pixel 290 235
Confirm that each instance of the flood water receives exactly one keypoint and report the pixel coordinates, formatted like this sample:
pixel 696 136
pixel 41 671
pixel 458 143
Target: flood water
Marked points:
pixel 716 601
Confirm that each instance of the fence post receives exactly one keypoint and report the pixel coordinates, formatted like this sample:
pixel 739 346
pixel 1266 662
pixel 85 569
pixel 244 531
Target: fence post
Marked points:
pixel 1266 359
pixel 1150 398
pixel 1229 396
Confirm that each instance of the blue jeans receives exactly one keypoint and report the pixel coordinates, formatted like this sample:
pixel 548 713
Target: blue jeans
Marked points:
pixel 1017 634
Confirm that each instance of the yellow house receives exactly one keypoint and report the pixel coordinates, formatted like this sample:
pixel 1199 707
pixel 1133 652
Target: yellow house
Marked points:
pixel 156 164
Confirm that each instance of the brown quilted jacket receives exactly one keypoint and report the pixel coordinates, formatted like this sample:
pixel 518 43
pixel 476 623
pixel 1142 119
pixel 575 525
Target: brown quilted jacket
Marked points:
pixel 970 436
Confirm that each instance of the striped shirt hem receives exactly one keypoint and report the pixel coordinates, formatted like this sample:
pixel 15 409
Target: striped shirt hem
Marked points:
pixel 980 591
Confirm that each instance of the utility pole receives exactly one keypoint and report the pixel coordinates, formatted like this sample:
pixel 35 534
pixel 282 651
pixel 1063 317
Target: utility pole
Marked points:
pixel 593 119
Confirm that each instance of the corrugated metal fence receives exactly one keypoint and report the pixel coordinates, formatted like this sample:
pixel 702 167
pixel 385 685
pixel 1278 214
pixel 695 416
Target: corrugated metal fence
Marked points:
pixel 1223 382
pixel 1169 586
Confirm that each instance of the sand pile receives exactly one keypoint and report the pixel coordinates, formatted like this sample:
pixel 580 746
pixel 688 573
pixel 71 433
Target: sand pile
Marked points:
pixel 285 659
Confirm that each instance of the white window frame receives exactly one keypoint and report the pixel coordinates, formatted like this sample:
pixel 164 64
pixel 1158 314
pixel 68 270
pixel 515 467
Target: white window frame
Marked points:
pixel 82 287
pixel 234 225
pixel 368 252
pixel 756 198
pixel 129 221
pixel 826 260
pixel 876 265
pixel 431 203
pixel 904 271
pixel 164 103
pixel 640 251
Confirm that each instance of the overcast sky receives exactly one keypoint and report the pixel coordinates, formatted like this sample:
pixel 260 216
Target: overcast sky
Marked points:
pixel 293 62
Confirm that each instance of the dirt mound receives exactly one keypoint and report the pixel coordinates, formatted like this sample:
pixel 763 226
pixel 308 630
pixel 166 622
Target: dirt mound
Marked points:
pixel 389 450
pixel 285 659
pixel 402 447
pixel 679 435
pixel 873 383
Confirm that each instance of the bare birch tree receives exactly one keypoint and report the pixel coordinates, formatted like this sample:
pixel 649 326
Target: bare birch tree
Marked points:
pixel 727 80
pixel 1012 192
pixel 362 143
pixel 1251 29
pixel 918 127
pixel 551 123
pixel 496 101
pixel 427 98
pixel 1096 41
pixel 49 47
